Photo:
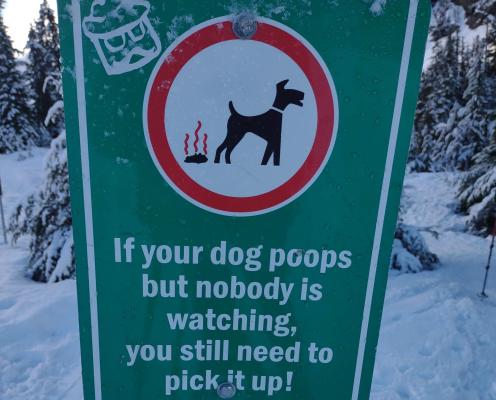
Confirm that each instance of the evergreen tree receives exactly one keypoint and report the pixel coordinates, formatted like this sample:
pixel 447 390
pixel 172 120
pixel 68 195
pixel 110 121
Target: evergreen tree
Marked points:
pixel 467 129
pixel 442 87
pixel 448 74
pixel 477 194
pixel 46 218
pixel 17 129
pixel 422 145
pixel 44 66
pixel 477 191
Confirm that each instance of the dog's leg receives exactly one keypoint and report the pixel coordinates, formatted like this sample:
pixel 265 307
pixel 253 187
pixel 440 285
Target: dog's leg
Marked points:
pixel 219 151
pixel 232 143
pixel 269 150
pixel 277 151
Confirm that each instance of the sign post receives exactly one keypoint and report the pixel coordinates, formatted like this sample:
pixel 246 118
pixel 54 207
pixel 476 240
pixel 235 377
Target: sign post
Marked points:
pixel 235 181
pixel 492 232
pixel 2 215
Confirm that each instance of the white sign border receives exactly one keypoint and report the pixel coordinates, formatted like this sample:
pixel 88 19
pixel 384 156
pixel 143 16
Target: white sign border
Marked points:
pixel 87 198
pixel 388 170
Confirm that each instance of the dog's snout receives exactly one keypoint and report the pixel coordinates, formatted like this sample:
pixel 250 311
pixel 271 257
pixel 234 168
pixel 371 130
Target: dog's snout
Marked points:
pixel 300 98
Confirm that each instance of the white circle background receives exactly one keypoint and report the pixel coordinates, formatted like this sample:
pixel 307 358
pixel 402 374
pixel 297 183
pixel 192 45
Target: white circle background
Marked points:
pixel 245 72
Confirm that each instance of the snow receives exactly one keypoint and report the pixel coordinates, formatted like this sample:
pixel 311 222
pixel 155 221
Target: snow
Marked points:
pixel 57 107
pixel 377 7
pixel 429 202
pixel 438 338
pixel 20 174
pixel 39 341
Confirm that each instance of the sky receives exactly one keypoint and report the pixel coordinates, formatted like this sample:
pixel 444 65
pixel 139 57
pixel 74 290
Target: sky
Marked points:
pixel 18 14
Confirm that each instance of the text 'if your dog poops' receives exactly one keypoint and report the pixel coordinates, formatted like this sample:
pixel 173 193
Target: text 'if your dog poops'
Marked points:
pixel 250 259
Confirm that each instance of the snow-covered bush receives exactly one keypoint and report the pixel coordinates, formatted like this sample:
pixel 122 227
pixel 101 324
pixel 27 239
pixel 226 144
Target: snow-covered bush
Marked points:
pixel 410 252
pixel 45 217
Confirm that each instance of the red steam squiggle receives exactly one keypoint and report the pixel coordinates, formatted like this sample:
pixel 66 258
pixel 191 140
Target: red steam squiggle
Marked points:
pixel 186 147
pixel 197 138
pixel 205 147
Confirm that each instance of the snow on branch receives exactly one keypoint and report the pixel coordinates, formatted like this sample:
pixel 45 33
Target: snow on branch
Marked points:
pixel 54 111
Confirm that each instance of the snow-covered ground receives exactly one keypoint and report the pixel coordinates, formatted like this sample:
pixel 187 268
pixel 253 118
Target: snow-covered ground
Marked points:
pixel 21 174
pixel 438 339
pixel 39 340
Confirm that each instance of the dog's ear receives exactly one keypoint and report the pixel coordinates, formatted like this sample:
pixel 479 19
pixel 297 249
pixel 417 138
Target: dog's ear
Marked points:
pixel 282 84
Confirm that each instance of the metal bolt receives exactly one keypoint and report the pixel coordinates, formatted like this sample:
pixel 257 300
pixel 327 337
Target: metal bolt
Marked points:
pixel 226 390
pixel 245 25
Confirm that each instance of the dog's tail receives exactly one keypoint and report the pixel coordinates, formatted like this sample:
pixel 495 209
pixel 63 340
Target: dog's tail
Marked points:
pixel 232 109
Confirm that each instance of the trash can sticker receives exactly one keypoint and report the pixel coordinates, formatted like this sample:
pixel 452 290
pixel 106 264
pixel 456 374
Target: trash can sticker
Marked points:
pixel 122 34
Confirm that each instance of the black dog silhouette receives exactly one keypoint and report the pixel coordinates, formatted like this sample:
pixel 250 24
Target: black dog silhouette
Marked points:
pixel 268 126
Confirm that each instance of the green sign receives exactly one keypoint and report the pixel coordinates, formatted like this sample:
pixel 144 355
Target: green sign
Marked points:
pixel 236 168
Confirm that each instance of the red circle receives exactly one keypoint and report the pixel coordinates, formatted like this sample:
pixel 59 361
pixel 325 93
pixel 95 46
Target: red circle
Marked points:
pixel 162 83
